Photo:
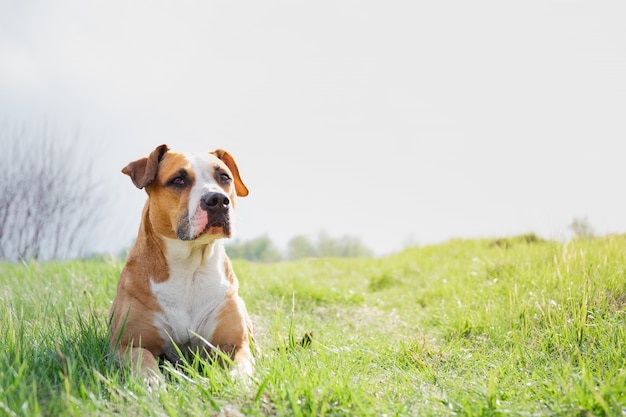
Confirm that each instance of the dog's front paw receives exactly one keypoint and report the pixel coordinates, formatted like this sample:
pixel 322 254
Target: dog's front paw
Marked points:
pixel 154 381
pixel 242 371
pixel 243 368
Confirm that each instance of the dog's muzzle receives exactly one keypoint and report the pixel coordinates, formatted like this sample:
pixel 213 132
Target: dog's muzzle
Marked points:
pixel 211 217
pixel 217 206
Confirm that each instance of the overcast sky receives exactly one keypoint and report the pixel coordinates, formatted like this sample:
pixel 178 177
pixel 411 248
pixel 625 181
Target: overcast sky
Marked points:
pixel 394 121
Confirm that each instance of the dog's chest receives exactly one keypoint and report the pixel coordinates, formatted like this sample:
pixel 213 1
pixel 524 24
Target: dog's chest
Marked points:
pixel 190 301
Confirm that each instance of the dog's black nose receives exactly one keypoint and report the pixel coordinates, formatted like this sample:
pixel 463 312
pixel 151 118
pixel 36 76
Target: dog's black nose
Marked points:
pixel 214 202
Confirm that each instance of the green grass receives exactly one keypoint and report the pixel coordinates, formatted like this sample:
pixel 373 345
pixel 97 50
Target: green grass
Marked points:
pixel 469 327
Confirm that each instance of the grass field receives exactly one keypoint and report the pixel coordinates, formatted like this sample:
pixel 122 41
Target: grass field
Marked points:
pixel 469 327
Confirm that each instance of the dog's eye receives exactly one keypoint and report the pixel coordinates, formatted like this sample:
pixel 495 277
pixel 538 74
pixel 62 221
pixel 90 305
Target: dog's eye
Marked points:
pixel 224 178
pixel 177 182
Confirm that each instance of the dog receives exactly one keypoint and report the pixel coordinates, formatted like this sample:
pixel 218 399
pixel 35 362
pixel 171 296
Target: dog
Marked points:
pixel 178 292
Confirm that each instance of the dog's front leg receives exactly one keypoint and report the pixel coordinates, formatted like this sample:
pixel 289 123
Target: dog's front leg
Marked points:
pixel 232 334
pixel 143 364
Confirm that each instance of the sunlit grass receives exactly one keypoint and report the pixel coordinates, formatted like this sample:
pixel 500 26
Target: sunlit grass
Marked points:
pixel 467 327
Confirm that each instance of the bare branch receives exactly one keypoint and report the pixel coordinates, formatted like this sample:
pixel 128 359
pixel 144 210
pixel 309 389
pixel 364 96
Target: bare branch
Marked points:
pixel 47 193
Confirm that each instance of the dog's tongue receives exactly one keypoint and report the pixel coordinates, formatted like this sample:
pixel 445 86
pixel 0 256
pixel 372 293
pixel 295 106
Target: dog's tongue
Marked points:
pixel 200 222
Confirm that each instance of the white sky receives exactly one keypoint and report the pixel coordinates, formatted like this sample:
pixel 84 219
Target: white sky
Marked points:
pixel 394 121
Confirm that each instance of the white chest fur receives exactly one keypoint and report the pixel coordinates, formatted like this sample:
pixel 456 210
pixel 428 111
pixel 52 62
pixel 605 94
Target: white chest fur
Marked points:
pixel 192 296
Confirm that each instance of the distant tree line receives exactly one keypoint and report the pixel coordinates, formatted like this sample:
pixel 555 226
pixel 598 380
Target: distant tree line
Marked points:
pixel 301 246
pixel 259 249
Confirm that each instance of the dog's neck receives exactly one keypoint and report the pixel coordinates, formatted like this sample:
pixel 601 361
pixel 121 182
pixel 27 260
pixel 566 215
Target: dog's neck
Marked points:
pixel 192 255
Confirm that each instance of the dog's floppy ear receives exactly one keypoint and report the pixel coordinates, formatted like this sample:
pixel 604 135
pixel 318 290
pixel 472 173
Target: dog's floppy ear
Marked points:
pixel 143 171
pixel 228 159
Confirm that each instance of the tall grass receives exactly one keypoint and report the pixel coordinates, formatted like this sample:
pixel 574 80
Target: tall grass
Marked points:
pixel 469 327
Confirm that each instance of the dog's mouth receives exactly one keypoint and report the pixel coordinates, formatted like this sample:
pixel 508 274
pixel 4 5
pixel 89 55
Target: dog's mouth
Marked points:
pixel 203 225
pixel 217 227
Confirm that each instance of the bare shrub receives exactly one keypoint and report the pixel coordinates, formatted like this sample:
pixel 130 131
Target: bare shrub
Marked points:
pixel 581 228
pixel 47 194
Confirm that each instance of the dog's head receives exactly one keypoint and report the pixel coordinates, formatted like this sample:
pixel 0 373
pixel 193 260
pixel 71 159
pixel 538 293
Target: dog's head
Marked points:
pixel 191 196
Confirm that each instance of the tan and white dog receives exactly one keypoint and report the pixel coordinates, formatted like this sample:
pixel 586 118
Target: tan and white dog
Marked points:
pixel 178 291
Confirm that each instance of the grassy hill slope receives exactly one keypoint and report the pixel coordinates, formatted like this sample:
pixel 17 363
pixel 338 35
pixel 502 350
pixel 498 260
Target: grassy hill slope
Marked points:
pixel 469 327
